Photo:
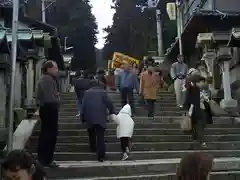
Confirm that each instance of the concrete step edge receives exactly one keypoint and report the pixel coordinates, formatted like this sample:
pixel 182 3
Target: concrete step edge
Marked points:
pixel 149 129
pixel 85 164
pixel 147 176
pixel 162 136
pixel 144 152
pixel 149 143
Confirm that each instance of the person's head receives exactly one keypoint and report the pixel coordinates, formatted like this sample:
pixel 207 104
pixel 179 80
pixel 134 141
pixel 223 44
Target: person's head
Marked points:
pixel 50 67
pixel 195 166
pixel 85 74
pixel 100 71
pixel 127 67
pixel 96 83
pixel 20 165
pixel 201 82
pixel 150 70
pixel 180 58
pixel 145 58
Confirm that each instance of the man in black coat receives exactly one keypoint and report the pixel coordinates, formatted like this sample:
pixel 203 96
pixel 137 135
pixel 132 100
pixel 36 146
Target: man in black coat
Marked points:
pixel 81 85
pixel 95 107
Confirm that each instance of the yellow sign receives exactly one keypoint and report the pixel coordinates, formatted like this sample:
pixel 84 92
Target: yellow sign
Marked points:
pixel 119 59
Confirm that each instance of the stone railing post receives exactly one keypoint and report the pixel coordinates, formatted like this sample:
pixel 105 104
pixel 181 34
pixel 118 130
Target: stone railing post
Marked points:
pixel 205 40
pixel 224 57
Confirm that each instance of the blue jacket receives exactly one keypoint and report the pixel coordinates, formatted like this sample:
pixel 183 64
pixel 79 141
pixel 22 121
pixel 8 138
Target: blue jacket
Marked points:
pixel 95 107
pixel 127 79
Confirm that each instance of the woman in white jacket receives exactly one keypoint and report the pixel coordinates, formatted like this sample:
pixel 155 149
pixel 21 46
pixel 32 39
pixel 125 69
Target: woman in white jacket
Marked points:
pixel 125 125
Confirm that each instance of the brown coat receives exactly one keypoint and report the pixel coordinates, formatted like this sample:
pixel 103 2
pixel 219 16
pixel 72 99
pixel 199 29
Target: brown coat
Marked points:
pixel 149 85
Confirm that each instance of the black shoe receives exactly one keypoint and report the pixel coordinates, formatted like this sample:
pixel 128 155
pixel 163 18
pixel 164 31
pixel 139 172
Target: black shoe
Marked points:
pixel 101 159
pixel 52 165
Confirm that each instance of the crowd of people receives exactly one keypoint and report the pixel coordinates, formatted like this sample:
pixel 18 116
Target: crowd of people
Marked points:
pixel 93 97
pixel 20 165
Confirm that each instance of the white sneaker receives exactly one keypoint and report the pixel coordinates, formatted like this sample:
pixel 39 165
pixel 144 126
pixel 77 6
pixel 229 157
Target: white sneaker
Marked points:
pixel 78 115
pixel 204 145
pixel 125 157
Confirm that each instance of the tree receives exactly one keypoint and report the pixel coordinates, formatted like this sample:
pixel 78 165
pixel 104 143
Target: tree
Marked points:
pixel 133 32
pixel 74 20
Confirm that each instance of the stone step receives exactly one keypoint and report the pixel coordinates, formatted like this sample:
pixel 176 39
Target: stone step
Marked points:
pixel 117 95
pixel 160 101
pixel 139 125
pixel 90 169
pixel 228 175
pixel 139 155
pixel 141 112
pixel 118 99
pixel 118 104
pixel 115 92
pixel 157 119
pixel 147 131
pixel 145 138
pixel 118 108
pixel 147 146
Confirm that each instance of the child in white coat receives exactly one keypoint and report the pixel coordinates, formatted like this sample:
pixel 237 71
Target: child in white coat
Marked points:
pixel 125 125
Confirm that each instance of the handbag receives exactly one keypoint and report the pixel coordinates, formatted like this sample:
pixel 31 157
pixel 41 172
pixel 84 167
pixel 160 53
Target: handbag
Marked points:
pixel 186 124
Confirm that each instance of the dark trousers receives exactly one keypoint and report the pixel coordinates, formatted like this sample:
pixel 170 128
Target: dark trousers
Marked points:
pixel 96 140
pixel 124 143
pixel 198 125
pixel 127 96
pixel 49 131
pixel 150 107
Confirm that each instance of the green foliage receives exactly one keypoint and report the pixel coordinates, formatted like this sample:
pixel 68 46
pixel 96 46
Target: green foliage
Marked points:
pixel 133 32
pixel 74 20
pixel 169 33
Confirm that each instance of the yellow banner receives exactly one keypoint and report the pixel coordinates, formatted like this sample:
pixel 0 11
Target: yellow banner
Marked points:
pixel 120 58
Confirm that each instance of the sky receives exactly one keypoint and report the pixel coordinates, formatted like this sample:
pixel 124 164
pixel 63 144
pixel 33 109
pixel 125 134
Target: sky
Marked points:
pixel 103 13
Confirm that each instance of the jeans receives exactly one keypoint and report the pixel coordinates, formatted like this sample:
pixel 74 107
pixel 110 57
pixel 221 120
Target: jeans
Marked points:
pixel 79 105
pixel 150 107
pixel 127 96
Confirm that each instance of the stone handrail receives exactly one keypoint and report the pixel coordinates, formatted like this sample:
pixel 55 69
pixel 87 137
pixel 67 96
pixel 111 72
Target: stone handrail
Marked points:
pixel 23 133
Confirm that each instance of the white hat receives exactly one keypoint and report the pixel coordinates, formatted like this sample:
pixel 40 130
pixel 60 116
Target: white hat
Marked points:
pixel 192 71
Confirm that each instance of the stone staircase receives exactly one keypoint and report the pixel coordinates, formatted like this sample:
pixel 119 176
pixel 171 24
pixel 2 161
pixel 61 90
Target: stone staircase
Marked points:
pixel 157 148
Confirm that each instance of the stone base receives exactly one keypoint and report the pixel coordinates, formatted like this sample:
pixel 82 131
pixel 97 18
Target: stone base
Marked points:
pixel 228 104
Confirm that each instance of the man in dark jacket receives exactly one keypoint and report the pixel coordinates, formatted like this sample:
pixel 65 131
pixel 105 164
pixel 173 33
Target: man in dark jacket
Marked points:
pixel 81 85
pixel 101 77
pixel 47 100
pixel 95 107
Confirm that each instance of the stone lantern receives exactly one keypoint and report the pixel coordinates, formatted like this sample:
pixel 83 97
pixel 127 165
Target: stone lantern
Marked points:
pixel 217 53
